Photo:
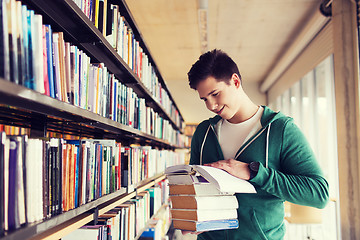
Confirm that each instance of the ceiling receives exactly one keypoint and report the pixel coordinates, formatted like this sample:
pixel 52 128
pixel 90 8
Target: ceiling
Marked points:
pixel 255 33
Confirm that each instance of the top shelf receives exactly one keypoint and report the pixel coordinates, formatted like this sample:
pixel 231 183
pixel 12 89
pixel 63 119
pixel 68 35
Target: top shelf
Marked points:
pixel 65 16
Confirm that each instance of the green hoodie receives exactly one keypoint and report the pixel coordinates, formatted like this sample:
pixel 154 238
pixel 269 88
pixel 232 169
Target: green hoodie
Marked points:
pixel 290 173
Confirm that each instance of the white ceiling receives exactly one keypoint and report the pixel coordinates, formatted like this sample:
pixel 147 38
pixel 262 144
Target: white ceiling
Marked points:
pixel 255 33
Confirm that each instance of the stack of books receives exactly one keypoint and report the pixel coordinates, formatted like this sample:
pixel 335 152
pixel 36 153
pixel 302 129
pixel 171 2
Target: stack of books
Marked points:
pixel 203 198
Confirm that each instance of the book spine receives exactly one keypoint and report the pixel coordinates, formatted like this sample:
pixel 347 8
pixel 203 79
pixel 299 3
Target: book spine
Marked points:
pixel 13 214
pixel 2 179
pixel 4 42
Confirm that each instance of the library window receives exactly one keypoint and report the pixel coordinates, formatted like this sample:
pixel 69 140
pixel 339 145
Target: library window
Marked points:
pixel 311 102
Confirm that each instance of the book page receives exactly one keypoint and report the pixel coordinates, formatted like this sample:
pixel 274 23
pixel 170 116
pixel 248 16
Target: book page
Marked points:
pixel 179 169
pixel 225 181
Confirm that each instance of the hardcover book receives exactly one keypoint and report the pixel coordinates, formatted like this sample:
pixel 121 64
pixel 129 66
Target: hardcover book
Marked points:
pixel 204 202
pixel 203 215
pixel 199 189
pixel 202 226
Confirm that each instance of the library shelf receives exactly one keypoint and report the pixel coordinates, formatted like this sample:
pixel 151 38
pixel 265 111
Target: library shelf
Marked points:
pixel 160 211
pixel 39 112
pixel 60 225
pixel 67 17
pixel 24 107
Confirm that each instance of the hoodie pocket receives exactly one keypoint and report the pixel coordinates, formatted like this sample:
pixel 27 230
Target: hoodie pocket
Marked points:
pixel 257 225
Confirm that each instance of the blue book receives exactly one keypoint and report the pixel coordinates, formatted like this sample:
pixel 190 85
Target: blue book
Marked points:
pixel 49 50
pixel 148 233
pixel 77 178
pixel 13 210
pixel 30 81
pixel 115 101
pixel 25 47
pixel 197 226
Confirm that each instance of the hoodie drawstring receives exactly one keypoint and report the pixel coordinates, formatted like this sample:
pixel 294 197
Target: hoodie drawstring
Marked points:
pixel 202 145
pixel 267 146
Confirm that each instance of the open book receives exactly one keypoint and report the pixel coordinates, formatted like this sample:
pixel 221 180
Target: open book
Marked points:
pixel 222 180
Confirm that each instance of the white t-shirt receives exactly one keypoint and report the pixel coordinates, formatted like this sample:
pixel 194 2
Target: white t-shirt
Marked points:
pixel 233 136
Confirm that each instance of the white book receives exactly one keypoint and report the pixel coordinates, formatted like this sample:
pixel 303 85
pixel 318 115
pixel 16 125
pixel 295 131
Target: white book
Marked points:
pixel 67 69
pixel 203 215
pixel 91 89
pixel 84 169
pixel 20 179
pixel 6 182
pixel 38 53
pixel 83 233
pixel 224 181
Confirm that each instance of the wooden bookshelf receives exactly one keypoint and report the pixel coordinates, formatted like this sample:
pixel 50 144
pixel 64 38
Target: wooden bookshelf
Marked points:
pixel 78 29
pixel 40 113
pixel 60 225
pixel 27 108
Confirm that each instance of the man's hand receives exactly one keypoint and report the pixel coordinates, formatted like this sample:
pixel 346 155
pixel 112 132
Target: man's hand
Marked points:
pixel 190 232
pixel 234 167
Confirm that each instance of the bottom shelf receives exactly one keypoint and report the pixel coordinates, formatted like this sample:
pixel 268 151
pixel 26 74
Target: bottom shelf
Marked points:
pixel 61 225
pixel 128 216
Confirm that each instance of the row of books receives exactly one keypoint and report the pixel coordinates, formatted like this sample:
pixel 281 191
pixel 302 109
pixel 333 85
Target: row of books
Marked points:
pixel 108 19
pixel 143 162
pixel 41 178
pixel 38 58
pixel 125 221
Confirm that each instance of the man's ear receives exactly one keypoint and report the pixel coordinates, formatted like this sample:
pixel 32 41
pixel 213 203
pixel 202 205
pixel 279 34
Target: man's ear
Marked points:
pixel 236 80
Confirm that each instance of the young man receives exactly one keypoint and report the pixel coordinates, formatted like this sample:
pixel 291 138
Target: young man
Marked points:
pixel 256 144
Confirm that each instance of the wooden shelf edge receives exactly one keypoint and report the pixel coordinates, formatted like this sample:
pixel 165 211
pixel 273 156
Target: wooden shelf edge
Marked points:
pixel 25 98
pixel 65 228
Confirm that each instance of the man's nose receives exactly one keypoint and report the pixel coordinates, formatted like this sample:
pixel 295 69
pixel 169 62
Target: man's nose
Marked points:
pixel 213 105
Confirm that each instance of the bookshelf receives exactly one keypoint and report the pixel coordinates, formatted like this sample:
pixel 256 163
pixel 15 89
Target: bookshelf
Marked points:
pixel 27 108
pixel 66 15
pixel 58 226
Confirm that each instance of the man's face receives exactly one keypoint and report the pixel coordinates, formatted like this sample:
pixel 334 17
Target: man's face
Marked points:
pixel 220 97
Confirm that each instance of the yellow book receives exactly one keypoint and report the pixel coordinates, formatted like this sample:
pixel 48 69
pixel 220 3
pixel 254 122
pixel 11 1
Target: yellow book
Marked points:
pixel 96 13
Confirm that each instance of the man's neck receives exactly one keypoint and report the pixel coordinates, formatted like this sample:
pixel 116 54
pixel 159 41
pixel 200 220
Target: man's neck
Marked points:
pixel 246 111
